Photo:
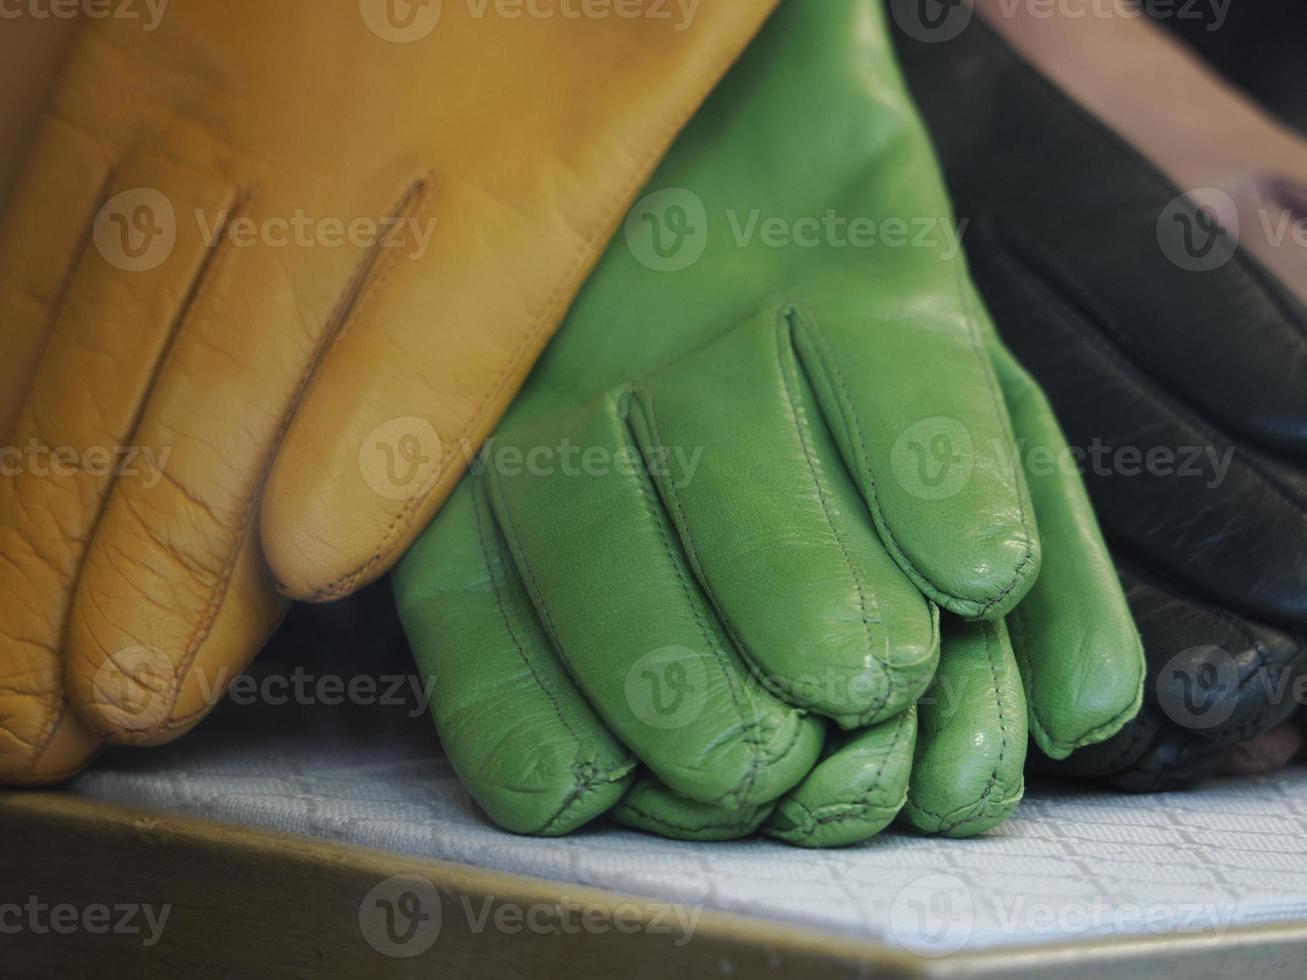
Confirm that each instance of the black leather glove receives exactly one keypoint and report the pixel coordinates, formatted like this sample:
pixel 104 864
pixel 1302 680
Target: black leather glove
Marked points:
pixel 1174 354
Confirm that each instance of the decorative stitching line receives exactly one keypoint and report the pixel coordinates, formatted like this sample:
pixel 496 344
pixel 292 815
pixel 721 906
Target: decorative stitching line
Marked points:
pixel 856 809
pixel 352 302
pixel 960 815
pixel 586 776
pixel 788 369
pixel 750 731
pixel 923 581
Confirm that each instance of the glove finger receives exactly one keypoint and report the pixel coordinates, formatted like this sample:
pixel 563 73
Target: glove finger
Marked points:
pixel 653 808
pixel 611 585
pixel 893 347
pixel 513 246
pixel 1082 662
pixel 47 229
pixel 934 461
pixel 186 537
pixel 855 792
pixel 1222 677
pixel 1172 760
pixel 1214 680
pixel 776 532
pixel 967 776
pixel 120 310
pixel 522 738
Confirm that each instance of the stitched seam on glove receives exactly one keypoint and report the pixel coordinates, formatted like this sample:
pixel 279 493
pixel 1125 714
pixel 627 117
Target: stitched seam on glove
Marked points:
pixel 669 490
pixel 829 366
pixel 205 274
pixel 859 808
pixel 356 297
pixel 740 826
pixel 788 368
pixel 957 817
pixel 587 775
pixel 750 730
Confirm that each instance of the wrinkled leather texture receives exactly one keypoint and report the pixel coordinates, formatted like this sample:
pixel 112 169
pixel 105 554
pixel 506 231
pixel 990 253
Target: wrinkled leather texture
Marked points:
pixel 1138 352
pixel 275 347
pixel 725 624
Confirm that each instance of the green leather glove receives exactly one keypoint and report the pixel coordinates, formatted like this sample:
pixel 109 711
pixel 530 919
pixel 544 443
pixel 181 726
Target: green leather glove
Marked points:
pixel 740 482
pixel 1066 665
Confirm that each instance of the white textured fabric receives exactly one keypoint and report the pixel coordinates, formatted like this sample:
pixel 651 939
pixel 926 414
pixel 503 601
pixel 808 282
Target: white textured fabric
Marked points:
pixel 1073 864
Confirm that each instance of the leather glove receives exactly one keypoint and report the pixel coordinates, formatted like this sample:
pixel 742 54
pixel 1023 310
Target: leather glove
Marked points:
pixel 298 256
pixel 1175 356
pixel 782 459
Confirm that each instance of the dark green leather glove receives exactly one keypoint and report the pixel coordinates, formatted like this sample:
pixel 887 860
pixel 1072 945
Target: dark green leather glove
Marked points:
pixel 739 484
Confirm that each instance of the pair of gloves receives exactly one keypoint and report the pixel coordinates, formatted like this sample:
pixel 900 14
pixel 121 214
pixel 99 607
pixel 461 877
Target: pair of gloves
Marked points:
pixel 1133 233
pixel 755 548
pixel 271 275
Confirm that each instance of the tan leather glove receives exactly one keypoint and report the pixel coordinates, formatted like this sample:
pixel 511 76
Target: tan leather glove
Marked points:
pixel 292 259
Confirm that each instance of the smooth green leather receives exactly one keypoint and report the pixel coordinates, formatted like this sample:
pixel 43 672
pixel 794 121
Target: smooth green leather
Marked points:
pixel 762 559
